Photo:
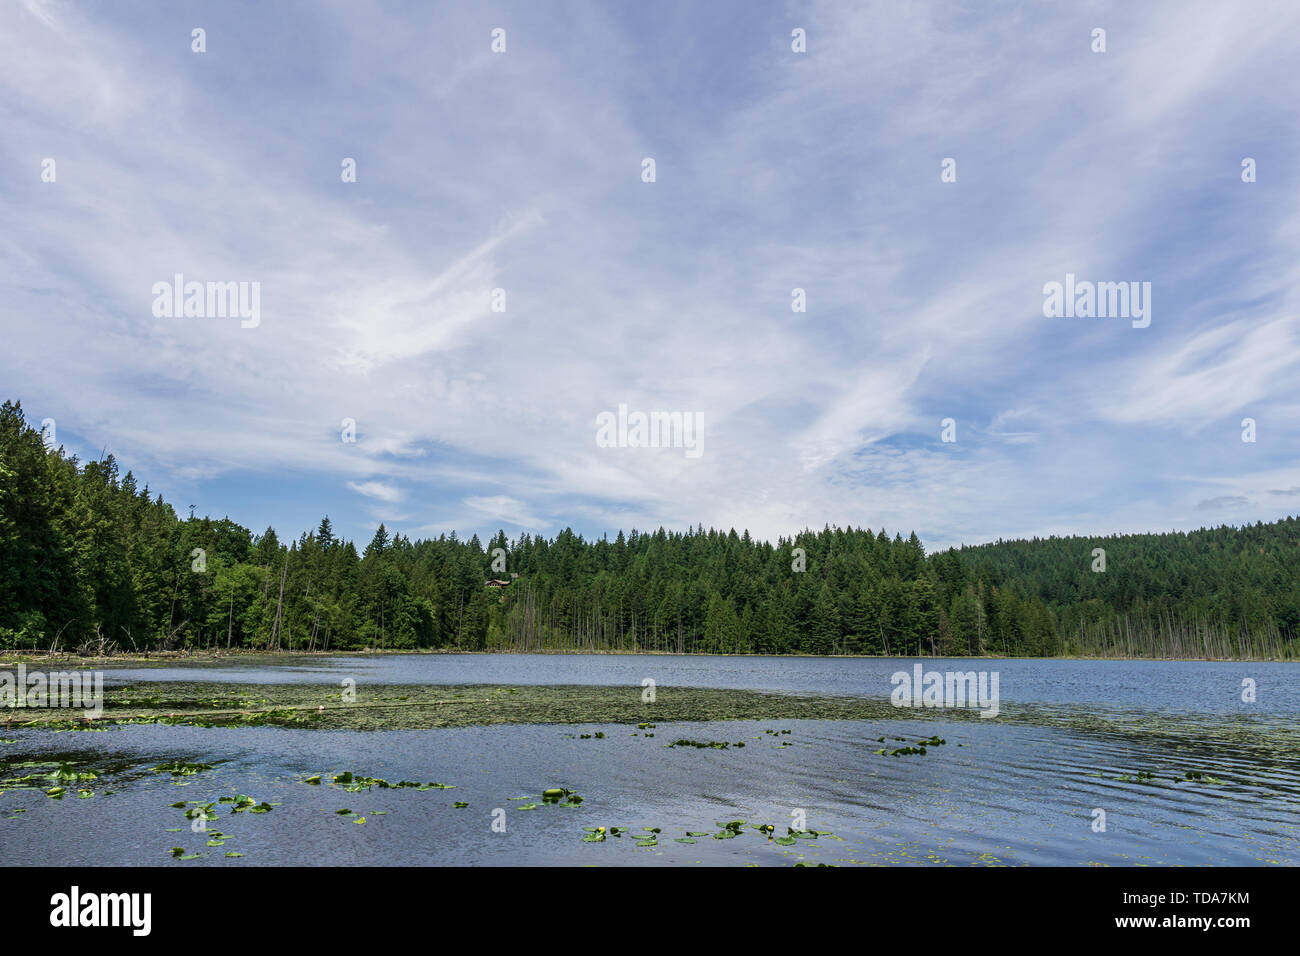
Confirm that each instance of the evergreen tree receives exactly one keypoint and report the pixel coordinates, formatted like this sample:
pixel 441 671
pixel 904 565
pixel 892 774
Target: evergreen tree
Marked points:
pixel 90 560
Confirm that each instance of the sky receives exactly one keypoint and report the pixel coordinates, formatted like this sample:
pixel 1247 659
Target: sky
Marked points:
pixel 523 170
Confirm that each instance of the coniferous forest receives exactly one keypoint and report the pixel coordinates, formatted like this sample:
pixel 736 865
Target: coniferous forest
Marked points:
pixel 92 561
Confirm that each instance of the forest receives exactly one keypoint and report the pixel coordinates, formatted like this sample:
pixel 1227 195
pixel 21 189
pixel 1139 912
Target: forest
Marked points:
pixel 92 562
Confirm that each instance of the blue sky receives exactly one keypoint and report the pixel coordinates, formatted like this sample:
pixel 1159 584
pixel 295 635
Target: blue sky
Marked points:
pixel 775 170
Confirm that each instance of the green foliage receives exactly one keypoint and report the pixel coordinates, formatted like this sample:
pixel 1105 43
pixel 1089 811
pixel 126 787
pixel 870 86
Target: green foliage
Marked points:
pixel 89 561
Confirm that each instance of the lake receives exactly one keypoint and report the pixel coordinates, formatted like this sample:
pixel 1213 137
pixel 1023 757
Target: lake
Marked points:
pixel 1185 771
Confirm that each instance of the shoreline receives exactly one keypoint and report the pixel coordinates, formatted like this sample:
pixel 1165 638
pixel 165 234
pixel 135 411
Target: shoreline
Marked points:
pixel 12 659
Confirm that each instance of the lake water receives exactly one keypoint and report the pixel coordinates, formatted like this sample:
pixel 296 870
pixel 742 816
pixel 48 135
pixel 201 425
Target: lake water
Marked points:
pixel 1167 686
pixel 1011 790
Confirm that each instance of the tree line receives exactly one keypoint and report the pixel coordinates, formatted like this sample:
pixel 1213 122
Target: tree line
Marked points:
pixel 93 562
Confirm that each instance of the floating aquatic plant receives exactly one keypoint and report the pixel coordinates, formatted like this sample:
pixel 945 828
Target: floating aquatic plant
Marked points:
pixel 905 751
pixel 702 744
pixel 598 834
pixel 179 768
pixel 561 795
pixel 67 773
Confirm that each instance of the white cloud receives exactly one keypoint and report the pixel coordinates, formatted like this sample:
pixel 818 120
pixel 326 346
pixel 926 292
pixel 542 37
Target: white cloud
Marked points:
pixel 522 172
pixel 390 494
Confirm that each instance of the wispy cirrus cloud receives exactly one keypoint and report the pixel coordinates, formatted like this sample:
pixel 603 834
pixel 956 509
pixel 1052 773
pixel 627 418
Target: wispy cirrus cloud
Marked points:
pixel 776 171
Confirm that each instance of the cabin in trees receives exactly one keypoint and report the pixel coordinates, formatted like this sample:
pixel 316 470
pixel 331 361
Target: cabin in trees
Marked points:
pixel 501 584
